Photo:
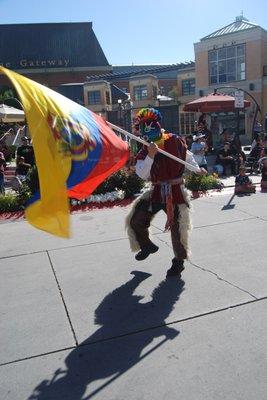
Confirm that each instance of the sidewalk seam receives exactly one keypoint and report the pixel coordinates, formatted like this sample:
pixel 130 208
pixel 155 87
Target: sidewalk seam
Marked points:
pixel 139 331
pixel 62 298
pixel 208 225
pixel 237 209
pixel 121 238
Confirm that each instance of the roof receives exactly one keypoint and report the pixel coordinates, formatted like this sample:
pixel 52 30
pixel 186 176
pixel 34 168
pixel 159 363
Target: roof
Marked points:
pixel 50 45
pixel 74 91
pixel 129 71
pixel 240 24
pixel 117 94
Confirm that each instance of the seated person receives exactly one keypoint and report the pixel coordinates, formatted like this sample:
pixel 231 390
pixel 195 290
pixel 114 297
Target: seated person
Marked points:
pixel 198 149
pixel 225 157
pixel 225 137
pixel 22 168
pixel 263 167
pixel 255 154
pixel 256 151
pixel 242 182
pixel 236 145
pixel 257 138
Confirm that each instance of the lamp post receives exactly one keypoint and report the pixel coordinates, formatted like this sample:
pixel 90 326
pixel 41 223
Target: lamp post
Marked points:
pixel 120 111
pixel 127 114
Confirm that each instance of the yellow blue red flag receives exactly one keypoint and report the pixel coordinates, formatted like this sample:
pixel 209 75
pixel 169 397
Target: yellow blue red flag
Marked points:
pixel 75 150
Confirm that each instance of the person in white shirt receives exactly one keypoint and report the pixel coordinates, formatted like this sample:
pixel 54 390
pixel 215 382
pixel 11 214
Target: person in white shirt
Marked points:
pixel 198 149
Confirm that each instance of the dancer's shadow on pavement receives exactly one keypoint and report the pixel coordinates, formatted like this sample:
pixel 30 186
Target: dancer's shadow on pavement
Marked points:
pixel 120 312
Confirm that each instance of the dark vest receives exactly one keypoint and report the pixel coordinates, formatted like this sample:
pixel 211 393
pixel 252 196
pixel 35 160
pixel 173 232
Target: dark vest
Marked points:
pixel 164 169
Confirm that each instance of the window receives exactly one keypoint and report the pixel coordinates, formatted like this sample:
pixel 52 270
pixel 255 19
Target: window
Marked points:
pixel 227 64
pixel 94 97
pixel 188 87
pixel 187 123
pixel 140 92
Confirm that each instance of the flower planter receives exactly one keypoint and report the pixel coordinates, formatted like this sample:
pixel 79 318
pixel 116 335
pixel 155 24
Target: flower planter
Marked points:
pixel 94 202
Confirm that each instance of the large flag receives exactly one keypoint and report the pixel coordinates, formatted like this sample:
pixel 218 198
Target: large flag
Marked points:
pixel 75 150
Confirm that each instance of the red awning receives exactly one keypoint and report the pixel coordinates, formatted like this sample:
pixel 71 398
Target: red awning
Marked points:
pixel 215 102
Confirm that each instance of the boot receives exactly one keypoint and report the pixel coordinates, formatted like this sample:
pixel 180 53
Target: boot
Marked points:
pixel 176 268
pixel 144 253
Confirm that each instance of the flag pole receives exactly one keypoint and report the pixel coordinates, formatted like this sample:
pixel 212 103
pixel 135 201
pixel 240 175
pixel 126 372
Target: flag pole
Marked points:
pixel 138 139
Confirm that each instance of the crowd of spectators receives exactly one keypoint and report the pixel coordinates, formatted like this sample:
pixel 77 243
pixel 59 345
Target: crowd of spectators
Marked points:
pixel 10 151
pixel 229 156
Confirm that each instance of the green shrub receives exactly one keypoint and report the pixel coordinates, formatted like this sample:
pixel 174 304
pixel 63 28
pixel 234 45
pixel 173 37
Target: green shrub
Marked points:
pixel 9 203
pixel 32 180
pixel 124 180
pixel 14 201
pixel 23 195
pixel 202 182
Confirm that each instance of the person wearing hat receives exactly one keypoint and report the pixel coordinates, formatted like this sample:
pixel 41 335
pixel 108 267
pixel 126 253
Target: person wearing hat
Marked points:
pixel 167 191
pixel 26 151
pixel 199 148
pixel 243 184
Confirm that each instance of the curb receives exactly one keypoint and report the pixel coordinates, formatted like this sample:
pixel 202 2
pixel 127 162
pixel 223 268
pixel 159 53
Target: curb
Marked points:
pixel 18 215
pixel 225 190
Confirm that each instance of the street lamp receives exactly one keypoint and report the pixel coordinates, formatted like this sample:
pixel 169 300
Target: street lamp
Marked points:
pixel 120 111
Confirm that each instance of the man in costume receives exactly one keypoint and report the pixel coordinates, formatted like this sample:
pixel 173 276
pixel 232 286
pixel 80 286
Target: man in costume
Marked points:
pixel 167 192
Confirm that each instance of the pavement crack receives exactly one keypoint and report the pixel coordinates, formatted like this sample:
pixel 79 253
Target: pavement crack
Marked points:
pixel 224 223
pixel 62 298
pixel 214 273
pixel 62 248
pixel 222 279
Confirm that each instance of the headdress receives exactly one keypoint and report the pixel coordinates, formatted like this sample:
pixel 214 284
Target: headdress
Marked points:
pixel 149 123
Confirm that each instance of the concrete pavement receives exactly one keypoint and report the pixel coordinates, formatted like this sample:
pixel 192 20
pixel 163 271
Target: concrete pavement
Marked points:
pixel 82 319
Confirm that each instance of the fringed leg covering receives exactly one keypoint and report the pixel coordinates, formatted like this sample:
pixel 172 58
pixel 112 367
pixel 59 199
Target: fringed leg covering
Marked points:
pixel 134 245
pixel 184 219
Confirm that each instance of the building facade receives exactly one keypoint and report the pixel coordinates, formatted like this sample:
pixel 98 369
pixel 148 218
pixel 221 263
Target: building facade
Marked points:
pixel 68 58
pixel 234 56
pixel 52 53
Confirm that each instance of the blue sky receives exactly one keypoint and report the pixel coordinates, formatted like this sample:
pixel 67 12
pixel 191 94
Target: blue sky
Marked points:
pixel 140 31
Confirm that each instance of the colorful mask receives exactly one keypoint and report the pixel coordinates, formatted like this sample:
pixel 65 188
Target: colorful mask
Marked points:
pixel 149 124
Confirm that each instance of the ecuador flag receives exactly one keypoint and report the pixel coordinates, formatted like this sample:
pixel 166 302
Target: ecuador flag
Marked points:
pixel 75 150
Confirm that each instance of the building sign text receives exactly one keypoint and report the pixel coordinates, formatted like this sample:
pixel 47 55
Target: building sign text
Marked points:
pixel 27 63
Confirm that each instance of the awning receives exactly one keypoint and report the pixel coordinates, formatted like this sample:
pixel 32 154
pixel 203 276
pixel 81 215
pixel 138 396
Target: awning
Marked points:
pixel 11 114
pixel 215 102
